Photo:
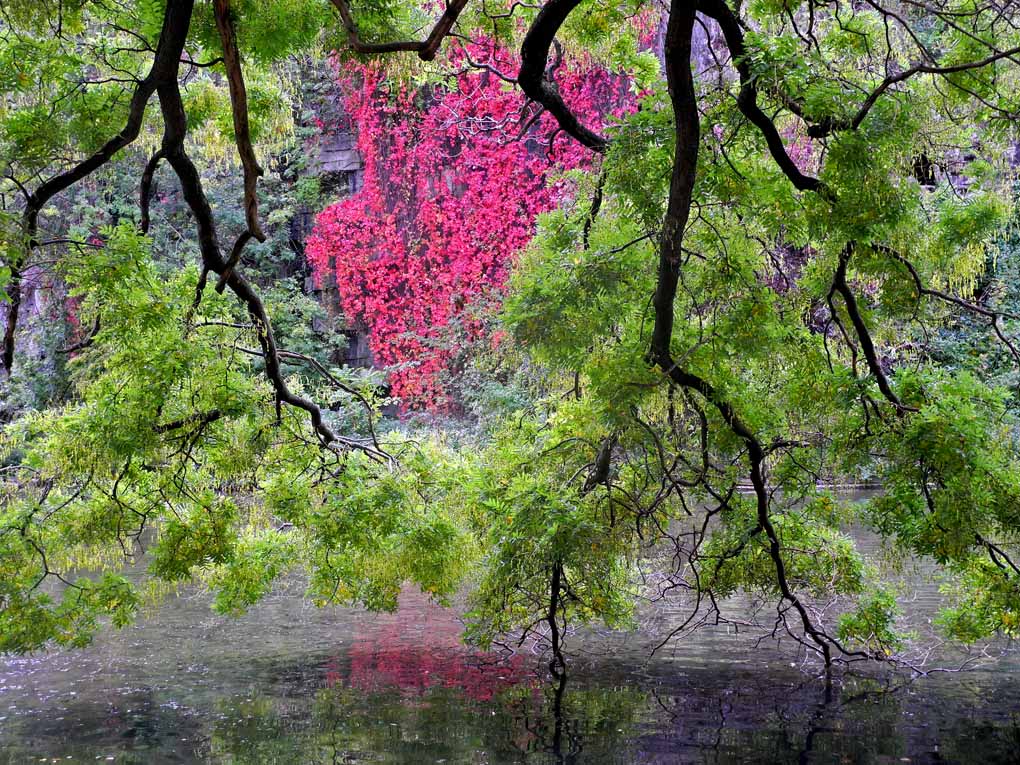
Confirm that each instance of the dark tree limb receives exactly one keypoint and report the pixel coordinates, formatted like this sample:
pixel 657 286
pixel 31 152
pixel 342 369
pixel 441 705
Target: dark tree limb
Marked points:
pixel 163 80
pixel 175 131
pixel 593 209
pixel 199 418
pixel 426 49
pixel 535 80
pixel 939 294
pixel 145 191
pixel 165 63
pixel 320 369
pixel 747 98
pixel 603 465
pixel 233 260
pixel 85 342
pixel 855 122
pixel 680 78
pixel 839 285
pixel 242 137
pixel 994 317
pixel 239 111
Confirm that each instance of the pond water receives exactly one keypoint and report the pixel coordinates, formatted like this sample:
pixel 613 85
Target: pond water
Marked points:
pixel 289 683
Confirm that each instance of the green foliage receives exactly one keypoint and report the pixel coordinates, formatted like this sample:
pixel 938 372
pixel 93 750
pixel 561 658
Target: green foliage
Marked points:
pixel 984 602
pixel 871 625
pixel 259 558
pixel 532 520
pixel 820 560
pixel 173 445
pixel 170 444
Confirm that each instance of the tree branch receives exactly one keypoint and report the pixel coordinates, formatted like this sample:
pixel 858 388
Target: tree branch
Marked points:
pixel 164 65
pixel 239 110
pixel 680 79
pixel 426 49
pixel 199 418
pixel 839 284
pixel 906 74
pixel 747 98
pixel 536 83
pixel 145 190
pixel 175 131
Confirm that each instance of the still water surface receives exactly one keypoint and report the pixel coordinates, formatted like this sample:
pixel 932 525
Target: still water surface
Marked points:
pixel 290 683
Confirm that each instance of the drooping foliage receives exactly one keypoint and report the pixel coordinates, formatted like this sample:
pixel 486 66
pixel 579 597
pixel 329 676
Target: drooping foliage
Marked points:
pixel 180 439
pixel 730 298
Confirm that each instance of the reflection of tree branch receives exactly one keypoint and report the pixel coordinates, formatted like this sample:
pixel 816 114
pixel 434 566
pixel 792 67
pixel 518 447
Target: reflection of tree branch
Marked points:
pixel 560 727
pixel 558 663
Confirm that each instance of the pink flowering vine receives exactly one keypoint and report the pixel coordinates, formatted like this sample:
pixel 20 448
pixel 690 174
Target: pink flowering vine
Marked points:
pixel 454 176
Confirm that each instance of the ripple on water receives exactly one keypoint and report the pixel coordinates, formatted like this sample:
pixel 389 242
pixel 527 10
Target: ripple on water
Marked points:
pixel 288 683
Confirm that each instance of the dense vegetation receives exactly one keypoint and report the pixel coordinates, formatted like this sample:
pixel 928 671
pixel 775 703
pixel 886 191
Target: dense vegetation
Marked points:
pixel 666 274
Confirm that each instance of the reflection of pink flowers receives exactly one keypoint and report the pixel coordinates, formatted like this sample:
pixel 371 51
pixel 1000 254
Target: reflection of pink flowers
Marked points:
pixel 419 648
pixel 450 194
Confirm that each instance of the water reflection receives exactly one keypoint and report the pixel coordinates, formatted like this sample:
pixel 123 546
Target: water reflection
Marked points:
pixel 289 684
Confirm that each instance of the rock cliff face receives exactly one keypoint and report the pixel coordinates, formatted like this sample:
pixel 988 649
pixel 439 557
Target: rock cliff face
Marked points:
pixel 43 330
pixel 338 167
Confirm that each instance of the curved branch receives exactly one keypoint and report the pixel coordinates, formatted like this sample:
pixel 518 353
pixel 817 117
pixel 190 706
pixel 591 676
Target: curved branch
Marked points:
pixel 239 110
pixel 145 190
pixel 538 86
pixel 164 65
pixel 839 284
pixel 233 260
pixel 994 317
pixel 680 78
pixel 426 49
pixel 318 367
pixel 175 122
pixel 939 294
pixel 906 74
pixel 747 98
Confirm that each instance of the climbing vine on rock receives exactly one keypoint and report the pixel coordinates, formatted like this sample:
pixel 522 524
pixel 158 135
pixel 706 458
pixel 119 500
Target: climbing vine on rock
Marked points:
pixel 455 173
